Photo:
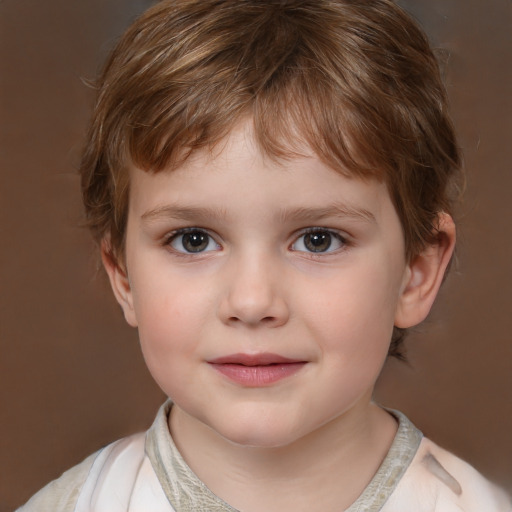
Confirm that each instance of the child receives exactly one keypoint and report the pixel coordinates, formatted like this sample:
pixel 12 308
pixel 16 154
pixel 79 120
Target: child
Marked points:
pixel 269 182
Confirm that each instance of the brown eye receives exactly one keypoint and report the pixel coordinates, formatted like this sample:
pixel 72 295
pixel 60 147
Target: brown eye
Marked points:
pixel 319 241
pixel 193 241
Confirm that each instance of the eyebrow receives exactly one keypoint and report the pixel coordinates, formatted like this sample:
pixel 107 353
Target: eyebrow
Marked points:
pixel 182 212
pixel 329 211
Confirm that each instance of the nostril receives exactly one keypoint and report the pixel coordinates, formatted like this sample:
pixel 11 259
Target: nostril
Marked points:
pixel 268 320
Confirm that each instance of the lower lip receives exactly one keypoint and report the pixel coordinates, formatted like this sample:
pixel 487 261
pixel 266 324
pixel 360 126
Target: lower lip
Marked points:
pixel 258 376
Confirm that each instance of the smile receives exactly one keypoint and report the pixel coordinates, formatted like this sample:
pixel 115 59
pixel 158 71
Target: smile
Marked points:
pixel 256 370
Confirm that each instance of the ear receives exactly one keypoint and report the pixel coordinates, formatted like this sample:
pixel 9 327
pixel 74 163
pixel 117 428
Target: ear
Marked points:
pixel 119 281
pixel 424 276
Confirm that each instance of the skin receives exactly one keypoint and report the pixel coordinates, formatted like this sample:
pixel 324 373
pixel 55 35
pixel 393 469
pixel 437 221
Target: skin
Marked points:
pixel 258 285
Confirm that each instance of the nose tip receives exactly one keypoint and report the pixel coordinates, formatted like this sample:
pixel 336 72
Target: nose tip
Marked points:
pixel 254 297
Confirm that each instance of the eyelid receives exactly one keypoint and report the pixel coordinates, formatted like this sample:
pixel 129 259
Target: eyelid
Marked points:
pixel 171 237
pixel 342 238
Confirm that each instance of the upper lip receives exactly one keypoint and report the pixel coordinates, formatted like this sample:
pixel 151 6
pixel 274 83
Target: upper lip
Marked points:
pixel 254 359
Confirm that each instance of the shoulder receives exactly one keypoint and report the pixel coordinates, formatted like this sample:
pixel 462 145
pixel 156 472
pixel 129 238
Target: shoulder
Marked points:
pixel 79 483
pixel 438 481
pixel 61 494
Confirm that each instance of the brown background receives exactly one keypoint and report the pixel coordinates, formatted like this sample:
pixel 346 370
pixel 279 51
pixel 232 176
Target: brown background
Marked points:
pixel 72 378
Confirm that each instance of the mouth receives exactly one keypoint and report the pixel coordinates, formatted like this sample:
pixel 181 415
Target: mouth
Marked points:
pixel 256 370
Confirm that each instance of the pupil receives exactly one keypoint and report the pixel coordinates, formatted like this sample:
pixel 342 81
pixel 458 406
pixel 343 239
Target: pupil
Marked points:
pixel 318 242
pixel 195 241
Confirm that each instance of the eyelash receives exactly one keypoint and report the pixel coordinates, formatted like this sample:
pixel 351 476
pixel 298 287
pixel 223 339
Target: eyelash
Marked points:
pixel 175 236
pixel 333 236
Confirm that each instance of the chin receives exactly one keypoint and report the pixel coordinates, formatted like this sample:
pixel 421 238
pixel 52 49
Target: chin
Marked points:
pixel 260 440
pixel 258 434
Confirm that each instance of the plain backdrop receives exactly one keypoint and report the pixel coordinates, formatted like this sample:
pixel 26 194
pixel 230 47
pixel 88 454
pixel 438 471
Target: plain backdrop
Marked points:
pixel 72 377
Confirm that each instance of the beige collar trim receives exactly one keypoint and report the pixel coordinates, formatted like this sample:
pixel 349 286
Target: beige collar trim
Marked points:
pixel 187 493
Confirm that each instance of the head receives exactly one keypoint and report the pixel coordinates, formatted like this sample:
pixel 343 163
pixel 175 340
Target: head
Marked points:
pixel 355 83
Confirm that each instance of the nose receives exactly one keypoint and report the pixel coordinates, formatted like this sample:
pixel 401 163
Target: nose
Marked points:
pixel 253 293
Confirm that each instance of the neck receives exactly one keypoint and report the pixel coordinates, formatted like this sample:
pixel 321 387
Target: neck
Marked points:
pixel 325 470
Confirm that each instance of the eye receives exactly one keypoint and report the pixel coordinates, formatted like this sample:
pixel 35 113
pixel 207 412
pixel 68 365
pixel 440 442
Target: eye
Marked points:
pixel 318 241
pixel 192 241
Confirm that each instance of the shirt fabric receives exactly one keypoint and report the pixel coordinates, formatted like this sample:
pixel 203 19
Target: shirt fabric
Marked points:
pixel 146 473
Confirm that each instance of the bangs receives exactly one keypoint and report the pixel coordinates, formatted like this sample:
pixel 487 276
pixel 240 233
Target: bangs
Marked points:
pixel 305 72
pixel 289 120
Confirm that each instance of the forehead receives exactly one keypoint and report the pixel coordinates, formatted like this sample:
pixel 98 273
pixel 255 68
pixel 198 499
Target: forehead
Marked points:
pixel 238 176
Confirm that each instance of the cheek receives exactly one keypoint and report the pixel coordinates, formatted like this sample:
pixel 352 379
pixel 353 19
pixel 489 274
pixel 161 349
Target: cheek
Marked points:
pixel 170 319
pixel 168 346
pixel 353 315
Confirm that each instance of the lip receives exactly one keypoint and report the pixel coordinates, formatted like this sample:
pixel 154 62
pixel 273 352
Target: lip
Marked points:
pixel 256 370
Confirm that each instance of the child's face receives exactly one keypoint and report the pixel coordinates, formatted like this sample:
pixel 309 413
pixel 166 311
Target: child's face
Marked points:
pixel 235 260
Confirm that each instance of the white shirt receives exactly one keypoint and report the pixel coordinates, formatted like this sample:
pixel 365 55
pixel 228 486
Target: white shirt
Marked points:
pixel 146 473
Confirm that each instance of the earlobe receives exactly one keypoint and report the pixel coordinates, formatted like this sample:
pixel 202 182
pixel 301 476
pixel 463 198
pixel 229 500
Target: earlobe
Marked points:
pixel 119 282
pixel 424 276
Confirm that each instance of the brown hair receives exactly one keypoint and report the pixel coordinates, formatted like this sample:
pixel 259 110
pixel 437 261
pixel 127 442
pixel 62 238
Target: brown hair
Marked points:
pixel 355 80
